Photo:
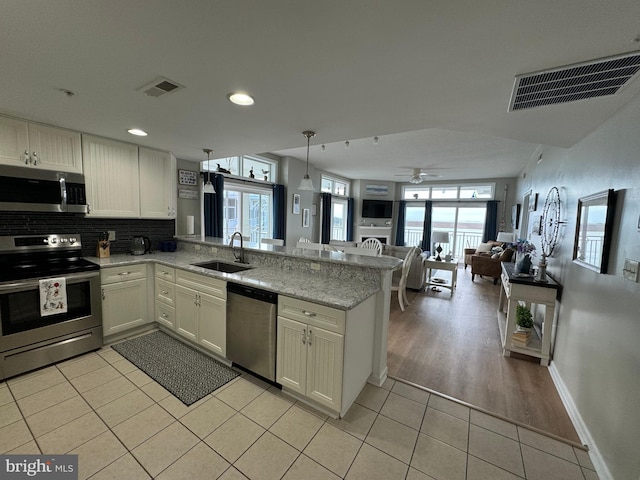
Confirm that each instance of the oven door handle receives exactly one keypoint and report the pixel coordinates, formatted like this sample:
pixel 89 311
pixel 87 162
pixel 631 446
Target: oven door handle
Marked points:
pixel 31 283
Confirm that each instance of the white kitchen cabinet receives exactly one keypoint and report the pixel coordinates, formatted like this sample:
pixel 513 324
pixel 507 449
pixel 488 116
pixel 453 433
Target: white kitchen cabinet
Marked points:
pixel 157 184
pixel 112 177
pixel 201 310
pixel 324 355
pixel 124 298
pixel 165 296
pixel 39 146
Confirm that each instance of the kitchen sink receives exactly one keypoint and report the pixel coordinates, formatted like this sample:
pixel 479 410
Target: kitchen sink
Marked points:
pixel 222 266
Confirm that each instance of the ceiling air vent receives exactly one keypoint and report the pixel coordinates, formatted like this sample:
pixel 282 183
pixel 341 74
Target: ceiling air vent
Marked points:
pixel 596 78
pixel 160 86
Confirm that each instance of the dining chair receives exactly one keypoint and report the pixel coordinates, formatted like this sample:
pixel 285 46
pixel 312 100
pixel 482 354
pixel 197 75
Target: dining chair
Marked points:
pixel 310 246
pixel 369 252
pixel 273 241
pixel 401 286
pixel 330 248
pixel 373 244
pixel 304 240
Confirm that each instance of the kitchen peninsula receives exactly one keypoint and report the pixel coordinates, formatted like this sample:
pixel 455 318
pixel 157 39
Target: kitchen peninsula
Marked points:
pixel 347 297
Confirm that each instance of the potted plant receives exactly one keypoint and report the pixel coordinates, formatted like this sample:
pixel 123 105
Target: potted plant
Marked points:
pixel 524 318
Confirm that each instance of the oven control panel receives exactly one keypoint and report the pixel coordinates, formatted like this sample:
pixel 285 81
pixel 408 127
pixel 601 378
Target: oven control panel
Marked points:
pixel 39 242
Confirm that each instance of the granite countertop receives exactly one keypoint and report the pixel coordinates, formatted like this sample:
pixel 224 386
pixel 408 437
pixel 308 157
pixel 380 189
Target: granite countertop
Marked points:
pixel 383 262
pixel 338 293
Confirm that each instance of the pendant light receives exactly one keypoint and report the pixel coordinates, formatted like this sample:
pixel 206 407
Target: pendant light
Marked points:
pixel 208 187
pixel 306 183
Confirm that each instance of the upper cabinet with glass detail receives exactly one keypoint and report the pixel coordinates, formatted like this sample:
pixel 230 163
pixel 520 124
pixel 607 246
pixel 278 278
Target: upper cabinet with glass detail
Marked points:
pixel 39 146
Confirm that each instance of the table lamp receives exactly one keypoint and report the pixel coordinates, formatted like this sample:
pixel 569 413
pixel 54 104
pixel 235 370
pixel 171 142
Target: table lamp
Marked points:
pixel 505 237
pixel 440 238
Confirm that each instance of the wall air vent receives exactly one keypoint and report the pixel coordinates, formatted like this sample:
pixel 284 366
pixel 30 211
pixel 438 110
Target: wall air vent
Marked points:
pixel 160 86
pixel 596 78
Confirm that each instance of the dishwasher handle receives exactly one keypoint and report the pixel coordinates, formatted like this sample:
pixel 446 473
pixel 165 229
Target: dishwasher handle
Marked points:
pixel 255 293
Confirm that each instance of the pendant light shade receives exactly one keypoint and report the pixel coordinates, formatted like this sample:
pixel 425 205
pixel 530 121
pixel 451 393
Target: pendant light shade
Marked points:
pixel 306 183
pixel 208 187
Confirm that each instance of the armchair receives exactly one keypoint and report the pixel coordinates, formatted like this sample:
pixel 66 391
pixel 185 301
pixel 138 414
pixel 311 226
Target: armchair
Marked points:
pixel 482 248
pixel 488 265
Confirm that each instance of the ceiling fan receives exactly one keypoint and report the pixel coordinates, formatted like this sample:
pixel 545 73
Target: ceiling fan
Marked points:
pixel 418 176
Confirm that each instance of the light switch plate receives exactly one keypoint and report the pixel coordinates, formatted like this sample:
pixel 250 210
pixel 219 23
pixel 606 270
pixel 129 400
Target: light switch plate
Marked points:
pixel 630 271
pixel 315 266
pixel 112 235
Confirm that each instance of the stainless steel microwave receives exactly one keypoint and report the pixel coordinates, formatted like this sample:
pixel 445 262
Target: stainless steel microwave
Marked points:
pixel 32 190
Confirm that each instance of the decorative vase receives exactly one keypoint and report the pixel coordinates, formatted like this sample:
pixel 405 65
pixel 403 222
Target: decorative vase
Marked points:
pixel 523 263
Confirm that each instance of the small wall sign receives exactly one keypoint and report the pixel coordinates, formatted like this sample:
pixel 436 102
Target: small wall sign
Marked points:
pixel 187 193
pixel 187 177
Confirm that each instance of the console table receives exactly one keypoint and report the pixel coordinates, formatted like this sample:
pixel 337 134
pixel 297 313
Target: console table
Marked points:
pixel 517 289
pixel 430 264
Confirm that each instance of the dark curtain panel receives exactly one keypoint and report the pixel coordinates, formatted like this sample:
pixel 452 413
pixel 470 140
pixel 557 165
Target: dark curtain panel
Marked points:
pixel 279 211
pixel 402 213
pixel 351 211
pixel 214 208
pixel 426 227
pixel 491 221
pixel 325 221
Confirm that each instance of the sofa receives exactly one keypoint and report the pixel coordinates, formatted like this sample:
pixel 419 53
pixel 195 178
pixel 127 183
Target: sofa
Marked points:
pixel 415 280
pixel 489 265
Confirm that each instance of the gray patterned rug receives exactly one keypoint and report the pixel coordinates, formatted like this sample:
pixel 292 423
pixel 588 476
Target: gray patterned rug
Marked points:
pixel 188 374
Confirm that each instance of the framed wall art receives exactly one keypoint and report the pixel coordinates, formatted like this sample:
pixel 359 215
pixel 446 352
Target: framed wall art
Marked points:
pixel 533 202
pixel 296 204
pixel 187 177
pixel 306 213
pixel 515 216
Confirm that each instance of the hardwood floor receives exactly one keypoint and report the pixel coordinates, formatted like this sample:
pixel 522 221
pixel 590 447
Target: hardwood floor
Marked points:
pixel 451 344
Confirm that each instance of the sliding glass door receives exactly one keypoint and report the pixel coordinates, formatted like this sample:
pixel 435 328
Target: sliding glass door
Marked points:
pixel 463 223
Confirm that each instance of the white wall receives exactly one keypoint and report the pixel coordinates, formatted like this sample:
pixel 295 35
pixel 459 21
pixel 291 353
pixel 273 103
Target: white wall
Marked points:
pixel 597 354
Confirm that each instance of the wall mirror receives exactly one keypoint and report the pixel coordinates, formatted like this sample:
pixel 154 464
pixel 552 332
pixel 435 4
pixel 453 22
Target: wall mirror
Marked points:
pixel 593 230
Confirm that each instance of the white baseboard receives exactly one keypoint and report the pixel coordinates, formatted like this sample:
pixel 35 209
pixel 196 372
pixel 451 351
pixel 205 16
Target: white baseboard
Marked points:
pixel 581 427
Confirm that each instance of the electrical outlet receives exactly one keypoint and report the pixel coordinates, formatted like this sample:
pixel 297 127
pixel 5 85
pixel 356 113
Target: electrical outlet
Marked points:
pixel 197 248
pixel 214 250
pixel 315 266
pixel 112 235
pixel 630 270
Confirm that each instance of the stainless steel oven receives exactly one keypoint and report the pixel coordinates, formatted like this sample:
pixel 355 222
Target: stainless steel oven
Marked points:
pixel 29 337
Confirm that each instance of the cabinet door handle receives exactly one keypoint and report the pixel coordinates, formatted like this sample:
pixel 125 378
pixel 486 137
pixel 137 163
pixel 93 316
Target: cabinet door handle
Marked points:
pixel 164 292
pixel 103 297
pixel 88 208
pixel 26 157
pixel 308 314
pixel 124 273
pixel 303 336
pixel 34 157
pixel 164 315
pixel 309 337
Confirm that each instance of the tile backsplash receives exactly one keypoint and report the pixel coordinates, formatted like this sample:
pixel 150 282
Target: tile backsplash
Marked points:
pixel 26 223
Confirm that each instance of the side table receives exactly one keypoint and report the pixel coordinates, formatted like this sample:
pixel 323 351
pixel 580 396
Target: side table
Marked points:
pixel 517 289
pixel 430 264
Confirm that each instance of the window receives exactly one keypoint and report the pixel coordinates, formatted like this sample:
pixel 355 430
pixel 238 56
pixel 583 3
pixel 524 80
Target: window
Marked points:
pixel 339 190
pixel 243 166
pixel 449 192
pixel 464 224
pixel 334 186
pixel 338 218
pixel 249 210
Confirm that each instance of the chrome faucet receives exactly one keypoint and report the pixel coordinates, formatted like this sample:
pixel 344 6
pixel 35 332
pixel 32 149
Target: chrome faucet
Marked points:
pixel 239 258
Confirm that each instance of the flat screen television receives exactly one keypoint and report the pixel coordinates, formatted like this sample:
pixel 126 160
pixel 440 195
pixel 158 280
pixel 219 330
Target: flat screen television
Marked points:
pixel 377 208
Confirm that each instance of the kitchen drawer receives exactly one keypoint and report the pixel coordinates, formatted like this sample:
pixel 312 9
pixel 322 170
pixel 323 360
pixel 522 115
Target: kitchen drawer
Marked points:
pixel 123 273
pixel 166 315
pixel 202 283
pixel 166 292
pixel 166 273
pixel 321 316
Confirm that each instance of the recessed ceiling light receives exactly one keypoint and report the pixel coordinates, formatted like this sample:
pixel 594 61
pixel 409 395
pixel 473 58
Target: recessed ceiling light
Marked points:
pixel 137 131
pixel 240 98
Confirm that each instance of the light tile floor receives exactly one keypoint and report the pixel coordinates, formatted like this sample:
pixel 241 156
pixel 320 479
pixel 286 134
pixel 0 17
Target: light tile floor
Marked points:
pixel 123 425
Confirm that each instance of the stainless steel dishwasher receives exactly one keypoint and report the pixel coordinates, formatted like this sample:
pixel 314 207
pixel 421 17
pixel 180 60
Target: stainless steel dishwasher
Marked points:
pixel 251 329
